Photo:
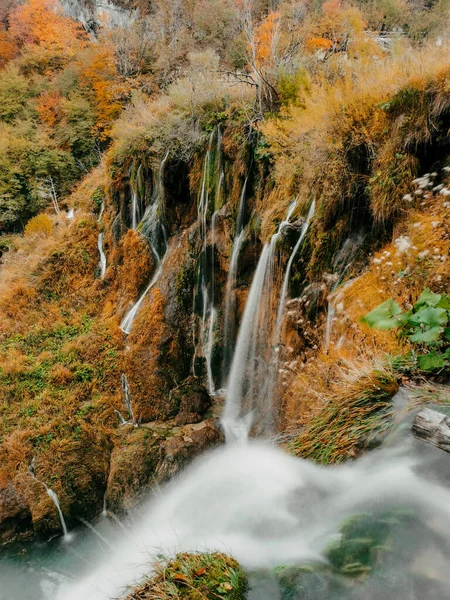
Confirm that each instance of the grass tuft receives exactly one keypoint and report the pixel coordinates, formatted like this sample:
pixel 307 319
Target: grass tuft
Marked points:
pixel 195 577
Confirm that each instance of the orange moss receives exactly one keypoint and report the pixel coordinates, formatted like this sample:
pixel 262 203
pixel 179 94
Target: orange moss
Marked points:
pixel 133 263
pixel 148 388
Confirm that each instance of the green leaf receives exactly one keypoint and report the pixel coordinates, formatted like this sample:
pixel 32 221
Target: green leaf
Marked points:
pixel 430 316
pixel 444 302
pixel 447 333
pixel 427 298
pixel 385 316
pixel 427 336
pixel 431 361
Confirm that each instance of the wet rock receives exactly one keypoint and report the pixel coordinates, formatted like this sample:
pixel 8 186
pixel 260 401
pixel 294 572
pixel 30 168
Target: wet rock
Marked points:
pixel 192 441
pixel 191 401
pixel 15 514
pixel 132 468
pixel 151 455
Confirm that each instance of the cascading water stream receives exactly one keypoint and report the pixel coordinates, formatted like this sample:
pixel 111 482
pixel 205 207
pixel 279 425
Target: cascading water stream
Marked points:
pixel 102 255
pixel 229 315
pixel 287 275
pixel 206 269
pixel 136 203
pixel 51 494
pixel 209 312
pixel 153 228
pixel 102 209
pixel 250 372
pixel 55 499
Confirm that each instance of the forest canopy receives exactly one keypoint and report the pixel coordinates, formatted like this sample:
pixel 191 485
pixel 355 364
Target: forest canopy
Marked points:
pixel 65 83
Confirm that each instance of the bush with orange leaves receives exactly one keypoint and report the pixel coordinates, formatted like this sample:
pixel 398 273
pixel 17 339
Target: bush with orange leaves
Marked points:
pixel 49 37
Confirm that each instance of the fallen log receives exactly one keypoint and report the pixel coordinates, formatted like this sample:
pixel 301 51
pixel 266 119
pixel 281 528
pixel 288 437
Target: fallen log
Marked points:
pixel 432 427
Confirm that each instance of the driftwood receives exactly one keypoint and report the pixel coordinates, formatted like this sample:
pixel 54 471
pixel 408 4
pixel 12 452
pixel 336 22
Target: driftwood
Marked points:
pixel 432 427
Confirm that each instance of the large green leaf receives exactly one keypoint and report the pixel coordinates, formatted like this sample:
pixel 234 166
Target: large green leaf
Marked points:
pixel 444 302
pixel 427 298
pixel 431 361
pixel 430 316
pixel 427 336
pixel 385 316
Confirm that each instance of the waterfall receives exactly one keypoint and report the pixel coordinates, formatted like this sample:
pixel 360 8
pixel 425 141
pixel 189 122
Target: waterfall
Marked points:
pixel 153 228
pixel 127 322
pixel 102 255
pixel 136 202
pixel 51 494
pixel 127 399
pixel 250 371
pixel 287 275
pixel 206 267
pixel 55 499
pixel 207 336
pixel 102 208
pixel 230 312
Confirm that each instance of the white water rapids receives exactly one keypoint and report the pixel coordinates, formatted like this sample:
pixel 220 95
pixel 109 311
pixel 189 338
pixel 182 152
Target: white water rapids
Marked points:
pixel 266 508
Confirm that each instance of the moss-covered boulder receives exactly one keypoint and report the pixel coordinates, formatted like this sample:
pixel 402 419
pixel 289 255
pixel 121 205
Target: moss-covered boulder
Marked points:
pixel 151 455
pixel 195 577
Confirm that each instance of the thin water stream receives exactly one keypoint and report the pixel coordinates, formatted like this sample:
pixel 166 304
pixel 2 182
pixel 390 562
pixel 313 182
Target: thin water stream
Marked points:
pixel 155 231
pixel 102 255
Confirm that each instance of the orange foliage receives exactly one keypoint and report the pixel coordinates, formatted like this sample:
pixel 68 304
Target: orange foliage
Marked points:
pixel 8 48
pixel 48 108
pixel 99 72
pixel 319 43
pixel 43 23
pixel 265 38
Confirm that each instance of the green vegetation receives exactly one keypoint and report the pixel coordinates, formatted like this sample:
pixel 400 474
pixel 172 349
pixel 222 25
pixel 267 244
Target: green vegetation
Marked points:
pixel 195 577
pixel 424 325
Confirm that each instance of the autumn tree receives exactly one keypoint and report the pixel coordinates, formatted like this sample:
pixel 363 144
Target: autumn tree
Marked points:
pixel 272 49
pixel 8 47
pixel 339 28
pixel 42 30
pixel 98 73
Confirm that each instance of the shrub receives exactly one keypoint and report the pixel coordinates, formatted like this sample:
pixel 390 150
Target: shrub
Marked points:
pixel 39 225
pixel 426 325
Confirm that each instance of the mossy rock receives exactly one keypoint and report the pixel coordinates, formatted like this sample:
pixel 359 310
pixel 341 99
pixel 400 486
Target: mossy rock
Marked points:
pixel 195 577
pixel 190 400
pixel 132 468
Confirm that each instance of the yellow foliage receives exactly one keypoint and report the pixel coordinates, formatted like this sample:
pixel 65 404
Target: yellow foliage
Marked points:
pixel 39 225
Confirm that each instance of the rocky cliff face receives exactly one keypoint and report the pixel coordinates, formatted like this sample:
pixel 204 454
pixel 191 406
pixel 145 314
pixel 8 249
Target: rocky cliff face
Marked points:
pixel 112 376
pixel 92 13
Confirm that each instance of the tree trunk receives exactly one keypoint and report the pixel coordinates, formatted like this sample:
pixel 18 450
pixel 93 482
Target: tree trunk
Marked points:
pixel 432 427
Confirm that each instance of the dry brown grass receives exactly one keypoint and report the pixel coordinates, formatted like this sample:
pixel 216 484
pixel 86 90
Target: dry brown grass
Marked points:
pixel 357 137
pixel 355 406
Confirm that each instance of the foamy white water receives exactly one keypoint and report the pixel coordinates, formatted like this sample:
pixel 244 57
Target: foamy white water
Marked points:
pixel 265 508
